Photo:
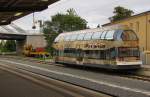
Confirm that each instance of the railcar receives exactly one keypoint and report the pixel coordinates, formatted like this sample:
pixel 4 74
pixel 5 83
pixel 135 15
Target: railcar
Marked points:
pixel 100 48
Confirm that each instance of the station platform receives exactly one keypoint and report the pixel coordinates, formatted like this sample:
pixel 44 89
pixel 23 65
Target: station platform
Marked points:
pixel 111 84
pixel 146 66
pixel 15 86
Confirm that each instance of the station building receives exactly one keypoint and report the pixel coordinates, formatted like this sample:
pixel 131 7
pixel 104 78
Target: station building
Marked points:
pixel 140 23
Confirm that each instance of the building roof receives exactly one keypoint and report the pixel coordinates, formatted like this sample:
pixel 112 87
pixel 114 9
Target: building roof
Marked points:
pixel 11 10
pixel 140 14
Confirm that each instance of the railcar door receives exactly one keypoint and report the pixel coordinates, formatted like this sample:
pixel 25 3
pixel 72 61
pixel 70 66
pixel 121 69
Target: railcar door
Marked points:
pixel 79 56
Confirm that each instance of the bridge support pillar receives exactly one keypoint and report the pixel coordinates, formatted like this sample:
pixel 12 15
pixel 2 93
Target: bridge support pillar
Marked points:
pixel 19 46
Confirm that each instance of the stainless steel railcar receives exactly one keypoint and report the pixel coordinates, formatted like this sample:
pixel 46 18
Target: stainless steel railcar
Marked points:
pixel 109 48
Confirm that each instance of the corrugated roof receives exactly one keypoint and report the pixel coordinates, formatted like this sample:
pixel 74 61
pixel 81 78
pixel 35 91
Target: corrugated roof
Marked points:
pixel 13 9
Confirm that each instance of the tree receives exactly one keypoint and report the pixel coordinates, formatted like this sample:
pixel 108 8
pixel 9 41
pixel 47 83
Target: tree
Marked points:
pixel 1 45
pixel 71 12
pixel 69 21
pixel 8 46
pixel 121 13
pixel 62 23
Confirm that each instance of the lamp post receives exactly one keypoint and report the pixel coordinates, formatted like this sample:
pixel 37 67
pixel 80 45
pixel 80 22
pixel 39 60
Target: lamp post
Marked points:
pixel 40 25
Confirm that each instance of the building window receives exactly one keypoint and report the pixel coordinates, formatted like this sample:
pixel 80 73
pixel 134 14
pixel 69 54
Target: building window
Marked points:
pixel 137 26
pixel 131 25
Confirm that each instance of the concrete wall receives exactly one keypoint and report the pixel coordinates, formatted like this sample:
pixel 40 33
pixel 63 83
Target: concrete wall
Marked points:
pixel 36 41
pixel 20 46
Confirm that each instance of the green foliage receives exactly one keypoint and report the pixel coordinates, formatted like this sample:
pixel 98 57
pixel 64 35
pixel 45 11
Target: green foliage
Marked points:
pixel 121 13
pixel 8 46
pixel 50 39
pixel 62 23
pixel 68 22
pixel 71 12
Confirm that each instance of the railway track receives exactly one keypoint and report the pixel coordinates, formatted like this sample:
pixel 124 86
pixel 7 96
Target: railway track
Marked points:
pixel 127 74
pixel 30 59
pixel 139 77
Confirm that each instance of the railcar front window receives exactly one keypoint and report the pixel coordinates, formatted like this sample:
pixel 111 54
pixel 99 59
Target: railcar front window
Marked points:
pixel 128 52
pixel 128 36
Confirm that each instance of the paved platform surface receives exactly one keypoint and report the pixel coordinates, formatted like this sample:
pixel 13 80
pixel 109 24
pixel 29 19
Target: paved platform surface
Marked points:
pixel 120 86
pixel 146 66
pixel 15 86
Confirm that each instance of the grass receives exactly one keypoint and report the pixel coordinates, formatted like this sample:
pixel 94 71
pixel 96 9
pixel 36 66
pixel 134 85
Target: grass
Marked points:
pixel 42 59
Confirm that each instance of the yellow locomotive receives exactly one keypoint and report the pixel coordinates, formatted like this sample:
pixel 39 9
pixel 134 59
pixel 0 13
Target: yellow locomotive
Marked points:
pixel 29 51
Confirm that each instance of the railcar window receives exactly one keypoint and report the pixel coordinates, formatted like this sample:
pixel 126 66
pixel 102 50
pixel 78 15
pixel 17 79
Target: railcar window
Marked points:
pixel 56 53
pixel 68 37
pixel 88 36
pixel 113 53
pixel 70 52
pixel 97 54
pixel 109 54
pixel 96 35
pixel 128 35
pixel 87 54
pixel 74 37
pixel 102 54
pixel 79 53
pixel 103 35
pixel 61 53
pixel 94 54
pixel 117 34
pixel 136 53
pixel 110 35
pixel 128 52
pixel 81 36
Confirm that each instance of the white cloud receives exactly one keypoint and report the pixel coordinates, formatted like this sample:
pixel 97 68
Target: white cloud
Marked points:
pixel 94 11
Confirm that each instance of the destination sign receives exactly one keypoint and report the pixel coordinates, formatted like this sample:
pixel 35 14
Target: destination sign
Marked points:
pixel 95 45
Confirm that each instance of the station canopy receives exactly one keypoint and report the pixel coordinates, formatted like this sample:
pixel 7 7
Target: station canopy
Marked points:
pixel 13 9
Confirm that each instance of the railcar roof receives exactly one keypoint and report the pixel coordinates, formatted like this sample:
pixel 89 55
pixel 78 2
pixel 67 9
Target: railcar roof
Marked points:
pixel 94 34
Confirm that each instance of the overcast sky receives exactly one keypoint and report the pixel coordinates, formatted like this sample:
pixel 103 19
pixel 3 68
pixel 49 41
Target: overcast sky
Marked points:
pixel 94 11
